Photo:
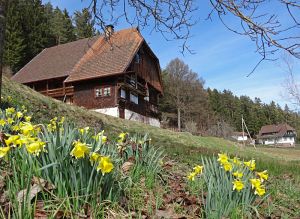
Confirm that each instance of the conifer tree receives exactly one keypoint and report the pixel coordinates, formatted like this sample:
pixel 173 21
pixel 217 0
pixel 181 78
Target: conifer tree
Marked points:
pixel 14 48
pixel 84 24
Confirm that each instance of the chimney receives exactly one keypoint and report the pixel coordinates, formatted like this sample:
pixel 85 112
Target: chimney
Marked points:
pixel 109 30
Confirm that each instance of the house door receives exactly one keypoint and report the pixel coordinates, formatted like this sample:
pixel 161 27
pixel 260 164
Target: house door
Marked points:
pixel 121 113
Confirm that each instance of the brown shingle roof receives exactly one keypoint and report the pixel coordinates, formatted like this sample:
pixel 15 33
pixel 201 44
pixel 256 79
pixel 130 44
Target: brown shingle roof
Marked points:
pixel 275 130
pixel 54 62
pixel 108 57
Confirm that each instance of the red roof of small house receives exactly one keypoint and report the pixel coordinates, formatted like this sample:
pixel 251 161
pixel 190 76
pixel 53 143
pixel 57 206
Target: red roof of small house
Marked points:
pixel 86 59
pixel 274 130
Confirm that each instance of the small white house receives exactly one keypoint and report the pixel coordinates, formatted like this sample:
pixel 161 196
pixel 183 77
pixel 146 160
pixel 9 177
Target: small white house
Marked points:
pixel 240 136
pixel 282 135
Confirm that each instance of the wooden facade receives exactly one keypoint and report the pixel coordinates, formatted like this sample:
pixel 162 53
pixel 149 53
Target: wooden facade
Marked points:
pixel 136 89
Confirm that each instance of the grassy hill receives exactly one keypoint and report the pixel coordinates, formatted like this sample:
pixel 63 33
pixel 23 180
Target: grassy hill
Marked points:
pixel 283 164
pixel 183 146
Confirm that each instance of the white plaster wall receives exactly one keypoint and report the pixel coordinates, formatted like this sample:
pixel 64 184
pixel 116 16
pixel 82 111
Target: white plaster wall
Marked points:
pixel 113 111
pixel 130 115
pixel 286 140
pixel 282 140
pixel 240 138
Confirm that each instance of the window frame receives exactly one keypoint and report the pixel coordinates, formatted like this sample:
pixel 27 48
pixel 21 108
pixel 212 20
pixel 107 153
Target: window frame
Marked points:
pixel 135 95
pixel 102 90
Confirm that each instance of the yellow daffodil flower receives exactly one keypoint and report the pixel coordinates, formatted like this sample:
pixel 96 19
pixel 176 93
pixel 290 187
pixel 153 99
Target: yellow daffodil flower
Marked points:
pixel 238 185
pixel 260 191
pixel 10 120
pixel 236 161
pixel 26 128
pixel 13 140
pixel 122 137
pixel 191 176
pixel 238 174
pixel 105 165
pixel 263 175
pixel 250 164
pixel 255 183
pixel 9 98
pixel 4 151
pixel 15 128
pixel 27 118
pixel 104 139
pixel 198 169
pixel 19 115
pixel 223 158
pixel 227 166
pixel 94 157
pixel 84 130
pixel 36 148
pixel 80 150
pixel 2 122
pixel 10 111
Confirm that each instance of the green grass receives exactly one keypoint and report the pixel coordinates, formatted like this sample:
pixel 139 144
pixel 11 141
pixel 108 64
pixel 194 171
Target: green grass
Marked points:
pixel 182 147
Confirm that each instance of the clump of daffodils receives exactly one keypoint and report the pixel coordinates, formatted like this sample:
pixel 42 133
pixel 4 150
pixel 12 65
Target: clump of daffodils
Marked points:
pixel 197 170
pixel 238 169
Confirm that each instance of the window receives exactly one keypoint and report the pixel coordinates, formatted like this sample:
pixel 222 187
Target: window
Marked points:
pixel 98 92
pixel 123 94
pixel 106 91
pixel 137 58
pixel 134 98
pixel 102 92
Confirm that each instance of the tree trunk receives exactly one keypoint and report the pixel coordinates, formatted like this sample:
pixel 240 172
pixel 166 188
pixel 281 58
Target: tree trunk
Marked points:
pixel 179 119
pixel 3 4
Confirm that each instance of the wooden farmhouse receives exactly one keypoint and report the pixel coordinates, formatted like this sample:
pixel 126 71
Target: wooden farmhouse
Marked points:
pixel 281 135
pixel 115 74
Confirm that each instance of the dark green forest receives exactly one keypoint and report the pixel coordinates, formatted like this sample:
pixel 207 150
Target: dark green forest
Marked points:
pixel 186 105
pixel 32 26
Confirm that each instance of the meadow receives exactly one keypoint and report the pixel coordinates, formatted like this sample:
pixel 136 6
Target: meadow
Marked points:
pixel 149 195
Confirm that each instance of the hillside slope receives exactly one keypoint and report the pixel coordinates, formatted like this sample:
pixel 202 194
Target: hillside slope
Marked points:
pixel 184 146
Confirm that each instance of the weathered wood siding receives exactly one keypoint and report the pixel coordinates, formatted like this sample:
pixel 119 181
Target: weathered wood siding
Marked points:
pixel 84 93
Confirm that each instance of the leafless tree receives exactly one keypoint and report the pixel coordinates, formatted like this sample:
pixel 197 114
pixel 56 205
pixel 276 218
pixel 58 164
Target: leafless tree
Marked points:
pixel 291 85
pixel 2 31
pixel 175 18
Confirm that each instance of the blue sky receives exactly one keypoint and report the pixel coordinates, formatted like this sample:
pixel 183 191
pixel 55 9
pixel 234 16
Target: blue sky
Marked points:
pixel 222 58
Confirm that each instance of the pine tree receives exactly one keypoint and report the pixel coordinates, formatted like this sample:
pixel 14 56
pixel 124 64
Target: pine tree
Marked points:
pixel 14 49
pixel 68 27
pixel 84 24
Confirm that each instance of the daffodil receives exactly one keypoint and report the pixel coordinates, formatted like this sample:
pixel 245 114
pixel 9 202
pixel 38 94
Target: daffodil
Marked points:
pixel 255 183
pixel 198 169
pixel 36 148
pixel 250 164
pixel 105 165
pixel 4 151
pixel 223 158
pixel 122 137
pixel 191 176
pixel 26 128
pixel 227 166
pixel 84 130
pixel 27 118
pixel 94 157
pixel 260 191
pixel 80 150
pixel 10 111
pixel 19 115
pixel 10 120
pixel 236 161
pixel 238 174
pixel 13 140
pixel 263 175
pixel 2 122
pixel 238 185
